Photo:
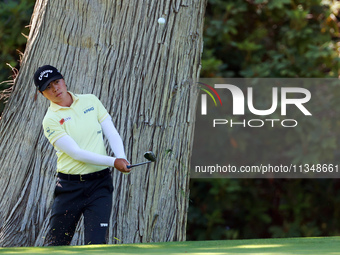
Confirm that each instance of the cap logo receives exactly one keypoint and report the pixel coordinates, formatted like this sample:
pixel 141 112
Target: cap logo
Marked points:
pixel 44 74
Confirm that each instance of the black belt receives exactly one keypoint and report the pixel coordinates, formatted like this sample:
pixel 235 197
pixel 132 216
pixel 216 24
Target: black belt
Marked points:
pixel 85 177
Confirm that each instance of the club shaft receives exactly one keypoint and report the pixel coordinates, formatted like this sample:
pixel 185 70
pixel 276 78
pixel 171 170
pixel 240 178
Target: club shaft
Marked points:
pixel 139 164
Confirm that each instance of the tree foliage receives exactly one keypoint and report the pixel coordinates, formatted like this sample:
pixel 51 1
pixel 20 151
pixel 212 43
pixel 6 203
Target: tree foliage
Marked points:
pixel 276 38
pixel 14 19
pixel 263 208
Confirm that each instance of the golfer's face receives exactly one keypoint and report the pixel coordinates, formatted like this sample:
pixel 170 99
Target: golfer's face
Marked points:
pixel 56 91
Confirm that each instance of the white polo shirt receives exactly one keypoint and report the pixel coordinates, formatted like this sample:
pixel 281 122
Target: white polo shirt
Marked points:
pixel 81 121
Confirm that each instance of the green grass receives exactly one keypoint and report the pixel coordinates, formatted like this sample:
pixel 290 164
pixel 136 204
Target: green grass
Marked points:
pixel 316 245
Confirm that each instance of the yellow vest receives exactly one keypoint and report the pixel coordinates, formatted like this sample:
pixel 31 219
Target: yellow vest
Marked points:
pixel 81 121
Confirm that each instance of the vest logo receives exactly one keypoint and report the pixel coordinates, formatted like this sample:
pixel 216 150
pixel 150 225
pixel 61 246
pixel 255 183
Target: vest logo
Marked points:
pixel 89 109
pixel 63 120
pixel 48 131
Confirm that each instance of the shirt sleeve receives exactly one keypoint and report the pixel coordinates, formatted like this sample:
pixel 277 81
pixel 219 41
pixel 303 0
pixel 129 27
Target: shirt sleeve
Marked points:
pixel 102 113
pixel 71 148
pixel 53 130
pixel 113 137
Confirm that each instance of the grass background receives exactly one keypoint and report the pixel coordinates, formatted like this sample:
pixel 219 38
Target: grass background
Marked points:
pixel 275 246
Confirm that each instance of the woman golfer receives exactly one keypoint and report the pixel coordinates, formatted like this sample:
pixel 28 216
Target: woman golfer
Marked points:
pixel 74 125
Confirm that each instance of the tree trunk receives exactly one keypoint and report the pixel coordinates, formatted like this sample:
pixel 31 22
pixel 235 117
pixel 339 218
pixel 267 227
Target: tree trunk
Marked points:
pixel 144 74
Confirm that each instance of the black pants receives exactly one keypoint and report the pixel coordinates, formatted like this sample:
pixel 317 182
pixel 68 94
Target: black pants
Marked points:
pixel 92 198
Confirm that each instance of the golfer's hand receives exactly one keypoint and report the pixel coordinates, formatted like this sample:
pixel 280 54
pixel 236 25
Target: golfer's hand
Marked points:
pixel 121 165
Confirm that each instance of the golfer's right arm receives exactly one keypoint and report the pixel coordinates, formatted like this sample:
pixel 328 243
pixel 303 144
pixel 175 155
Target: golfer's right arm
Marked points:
pixel 71 148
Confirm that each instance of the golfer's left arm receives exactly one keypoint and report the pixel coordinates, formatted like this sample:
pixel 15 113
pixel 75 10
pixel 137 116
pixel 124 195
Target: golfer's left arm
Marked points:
pixel 115 140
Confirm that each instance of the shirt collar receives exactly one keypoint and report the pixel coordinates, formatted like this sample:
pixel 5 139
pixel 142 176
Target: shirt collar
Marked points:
pixel 55 107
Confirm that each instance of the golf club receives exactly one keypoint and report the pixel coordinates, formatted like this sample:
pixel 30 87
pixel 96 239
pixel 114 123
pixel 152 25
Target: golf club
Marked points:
pixel 149 155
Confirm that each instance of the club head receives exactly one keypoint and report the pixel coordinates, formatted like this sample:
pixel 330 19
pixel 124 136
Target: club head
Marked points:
pixel 149 155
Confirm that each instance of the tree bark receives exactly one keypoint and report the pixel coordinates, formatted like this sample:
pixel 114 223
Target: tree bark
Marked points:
pixel 145 74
